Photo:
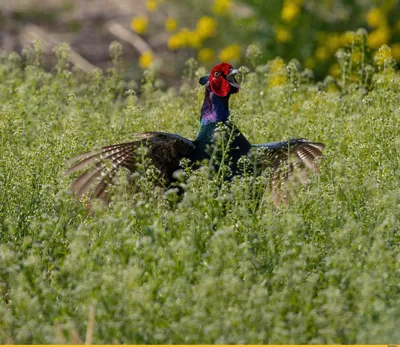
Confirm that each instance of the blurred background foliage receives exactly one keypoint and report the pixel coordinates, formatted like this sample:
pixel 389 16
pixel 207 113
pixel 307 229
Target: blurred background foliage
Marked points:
pixel 311 31
pixel 171 31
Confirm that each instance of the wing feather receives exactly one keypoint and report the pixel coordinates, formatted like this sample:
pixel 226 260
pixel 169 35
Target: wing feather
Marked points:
pixel 285 158
pixel 292 154
pixel 164 150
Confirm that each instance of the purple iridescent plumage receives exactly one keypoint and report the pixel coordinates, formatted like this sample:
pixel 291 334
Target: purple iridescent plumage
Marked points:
pixel 215 109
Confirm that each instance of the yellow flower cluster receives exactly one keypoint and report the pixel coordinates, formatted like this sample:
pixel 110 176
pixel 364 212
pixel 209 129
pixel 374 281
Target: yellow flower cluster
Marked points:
pixel 277 69
pixel 383 56
pixel 146 59
pixel 309 63
pixel 334 70
pixel 282 34
pixel 206 55
pixel 230 53
pixel 376 18
pixel 205 28
pixel 322 53
pixel 290 10
pixel 382 34
pixel 171 24
pixel 139 24
pixel 348 38
pixel 329 43
pixel 151 5
pixel 356 56
pixel 277 65
pixel 221 7
pixel 184 38
pixel 379 36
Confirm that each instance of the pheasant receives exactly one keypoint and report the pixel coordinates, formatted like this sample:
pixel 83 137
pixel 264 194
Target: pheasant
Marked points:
pixel 165 150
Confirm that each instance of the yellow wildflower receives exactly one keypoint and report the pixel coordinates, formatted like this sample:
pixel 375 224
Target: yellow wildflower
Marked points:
pixel 277 80
pixel 146 59
pixel 221 7
pixel 334 70
pixel 354 77
pixel 356 56
pixel 139 24
pixel 231 52
pixel 290 11
pixel 193 39
pixel 151 5
pixel 322 53
pixel 277 65
pixel 206 55
pixel 375 18
pixel 171 24
pixel 333 42
pixel 396 51
pixel 348 38
pixel 277 69
pixel 379 37
pixel 184 38
pixel 206 27
pixel 332 88
pixel 309 63
pixel 177 41
pixel 383 56
pixel 282 34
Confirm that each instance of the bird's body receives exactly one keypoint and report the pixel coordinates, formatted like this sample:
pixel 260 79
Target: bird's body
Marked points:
pixel 217 139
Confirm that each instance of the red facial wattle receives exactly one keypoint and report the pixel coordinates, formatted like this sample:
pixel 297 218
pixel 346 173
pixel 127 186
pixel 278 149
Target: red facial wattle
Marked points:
pixel 218 84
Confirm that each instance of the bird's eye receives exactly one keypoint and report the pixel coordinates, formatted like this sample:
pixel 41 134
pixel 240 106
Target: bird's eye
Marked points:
pixel 217 73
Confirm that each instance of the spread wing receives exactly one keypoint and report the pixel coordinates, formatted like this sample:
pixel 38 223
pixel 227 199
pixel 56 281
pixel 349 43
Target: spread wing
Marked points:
pixel 298 152
pixel 164 150
pixel 283 158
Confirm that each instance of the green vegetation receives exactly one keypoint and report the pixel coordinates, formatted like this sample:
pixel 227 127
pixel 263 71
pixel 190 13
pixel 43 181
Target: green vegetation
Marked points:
pixel 223 265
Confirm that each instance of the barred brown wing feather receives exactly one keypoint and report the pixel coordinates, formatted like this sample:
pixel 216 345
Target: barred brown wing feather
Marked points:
pixel 86 159
pixel 285 158
pixel 274 154
pixel 164 150
pixel 308 153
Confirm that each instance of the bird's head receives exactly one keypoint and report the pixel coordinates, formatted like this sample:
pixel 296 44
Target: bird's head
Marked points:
pixel 221 80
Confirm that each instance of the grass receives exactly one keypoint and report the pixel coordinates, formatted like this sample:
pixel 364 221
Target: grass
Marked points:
pixel 223 265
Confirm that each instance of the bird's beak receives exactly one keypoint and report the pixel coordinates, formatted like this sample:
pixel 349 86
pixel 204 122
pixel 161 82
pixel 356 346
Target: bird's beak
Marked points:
pixel 203 80
pixel 231 78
